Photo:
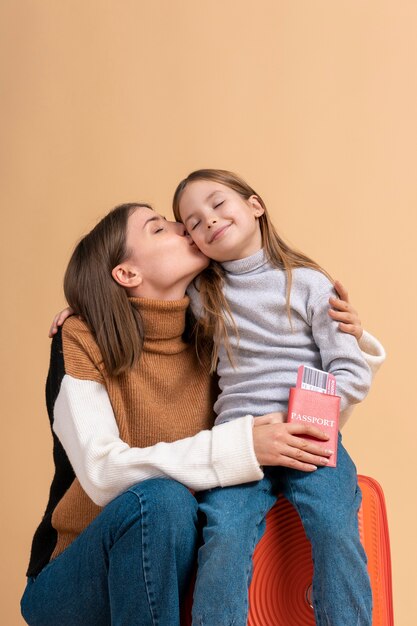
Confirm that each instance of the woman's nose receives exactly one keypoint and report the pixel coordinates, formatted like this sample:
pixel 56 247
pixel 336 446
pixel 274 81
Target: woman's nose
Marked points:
pixel 179 228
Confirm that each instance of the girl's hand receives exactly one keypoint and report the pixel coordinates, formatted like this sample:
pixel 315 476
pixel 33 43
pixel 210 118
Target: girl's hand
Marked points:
pixel 344 313
pixel 59 319
pixel 282 444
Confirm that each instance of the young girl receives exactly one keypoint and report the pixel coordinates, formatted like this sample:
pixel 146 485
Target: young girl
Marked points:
pixel 266 305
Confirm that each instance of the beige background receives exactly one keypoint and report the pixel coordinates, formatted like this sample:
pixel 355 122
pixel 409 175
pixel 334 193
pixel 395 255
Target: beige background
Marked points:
pixel 313 101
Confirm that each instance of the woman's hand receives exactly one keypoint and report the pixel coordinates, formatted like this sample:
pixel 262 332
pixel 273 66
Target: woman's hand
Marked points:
pixel 344 313
pixel 278 443
pixel 59 319
pixel 271 418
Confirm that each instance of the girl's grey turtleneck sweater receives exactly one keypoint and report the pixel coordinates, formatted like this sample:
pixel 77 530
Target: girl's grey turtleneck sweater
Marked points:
pixel 269 351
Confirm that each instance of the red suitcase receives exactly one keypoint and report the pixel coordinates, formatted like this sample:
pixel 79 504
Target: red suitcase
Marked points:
pixel 280 592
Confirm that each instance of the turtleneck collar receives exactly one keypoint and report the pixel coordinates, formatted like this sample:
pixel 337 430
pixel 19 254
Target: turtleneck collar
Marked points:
pixel 249 264
pixel 163 324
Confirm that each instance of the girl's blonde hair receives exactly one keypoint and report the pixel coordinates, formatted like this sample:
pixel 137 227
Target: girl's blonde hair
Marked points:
pixel 210 282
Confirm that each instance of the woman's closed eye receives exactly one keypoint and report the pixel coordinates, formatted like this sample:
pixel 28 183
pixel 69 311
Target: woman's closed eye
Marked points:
pixel 160 225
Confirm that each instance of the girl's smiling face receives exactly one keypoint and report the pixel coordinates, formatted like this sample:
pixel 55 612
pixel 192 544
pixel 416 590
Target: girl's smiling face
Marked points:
pixel 222 223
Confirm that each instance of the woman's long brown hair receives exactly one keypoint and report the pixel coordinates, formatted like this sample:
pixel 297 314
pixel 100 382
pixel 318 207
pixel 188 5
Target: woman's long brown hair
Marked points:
pixel 94 295
pixel 210 282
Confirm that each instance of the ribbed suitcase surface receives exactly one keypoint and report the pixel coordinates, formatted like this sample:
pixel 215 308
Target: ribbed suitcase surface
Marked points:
pixel 280 592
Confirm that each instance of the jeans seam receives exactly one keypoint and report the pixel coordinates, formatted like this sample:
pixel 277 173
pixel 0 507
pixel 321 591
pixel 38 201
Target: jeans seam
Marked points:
pixel 143 514
pixel 262 518
pixel 303 520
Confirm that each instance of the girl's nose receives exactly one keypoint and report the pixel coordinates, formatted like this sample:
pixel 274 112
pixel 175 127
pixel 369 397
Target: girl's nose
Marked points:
pixel 211 221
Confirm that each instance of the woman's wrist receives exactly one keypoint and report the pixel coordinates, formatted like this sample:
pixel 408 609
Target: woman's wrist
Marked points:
pixel 233 453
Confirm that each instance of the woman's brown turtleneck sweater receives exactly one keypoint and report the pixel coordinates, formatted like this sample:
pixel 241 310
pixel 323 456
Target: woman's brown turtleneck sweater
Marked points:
pixel 106 429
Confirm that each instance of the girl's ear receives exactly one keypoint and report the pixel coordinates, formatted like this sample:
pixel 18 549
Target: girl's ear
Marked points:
pixel 258 209
pixel 127 275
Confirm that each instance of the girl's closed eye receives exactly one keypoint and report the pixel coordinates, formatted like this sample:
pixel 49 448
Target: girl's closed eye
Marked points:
pixel 219 204
pixel 194 225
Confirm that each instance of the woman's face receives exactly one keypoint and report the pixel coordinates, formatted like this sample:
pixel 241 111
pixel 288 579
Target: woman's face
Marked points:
pixel 165 259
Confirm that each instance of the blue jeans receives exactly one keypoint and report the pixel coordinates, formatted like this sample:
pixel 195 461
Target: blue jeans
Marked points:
pixel 131 565
pixel 327 501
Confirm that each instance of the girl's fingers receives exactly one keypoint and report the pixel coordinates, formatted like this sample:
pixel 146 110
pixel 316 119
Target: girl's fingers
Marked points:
pixel 63 316
pixel 54 328
pixel 59 319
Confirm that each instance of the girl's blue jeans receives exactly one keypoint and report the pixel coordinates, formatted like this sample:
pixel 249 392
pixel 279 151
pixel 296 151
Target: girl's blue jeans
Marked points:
pixel 131 565
pixel 327 501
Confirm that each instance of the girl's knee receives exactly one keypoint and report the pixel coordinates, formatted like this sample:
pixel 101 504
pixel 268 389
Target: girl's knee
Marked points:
pixel 334 530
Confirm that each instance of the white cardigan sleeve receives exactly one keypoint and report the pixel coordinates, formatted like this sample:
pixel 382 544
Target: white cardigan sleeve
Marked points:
pixel 373 351
pixel 106 466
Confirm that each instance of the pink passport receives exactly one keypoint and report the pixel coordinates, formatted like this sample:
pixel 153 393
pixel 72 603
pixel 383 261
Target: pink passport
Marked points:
pixel 318 408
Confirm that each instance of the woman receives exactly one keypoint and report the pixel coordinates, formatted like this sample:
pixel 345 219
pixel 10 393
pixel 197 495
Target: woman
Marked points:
pixel 118 539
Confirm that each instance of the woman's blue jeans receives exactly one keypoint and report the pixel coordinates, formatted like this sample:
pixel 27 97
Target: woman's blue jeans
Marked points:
pixel 327 501
pixel 131 565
